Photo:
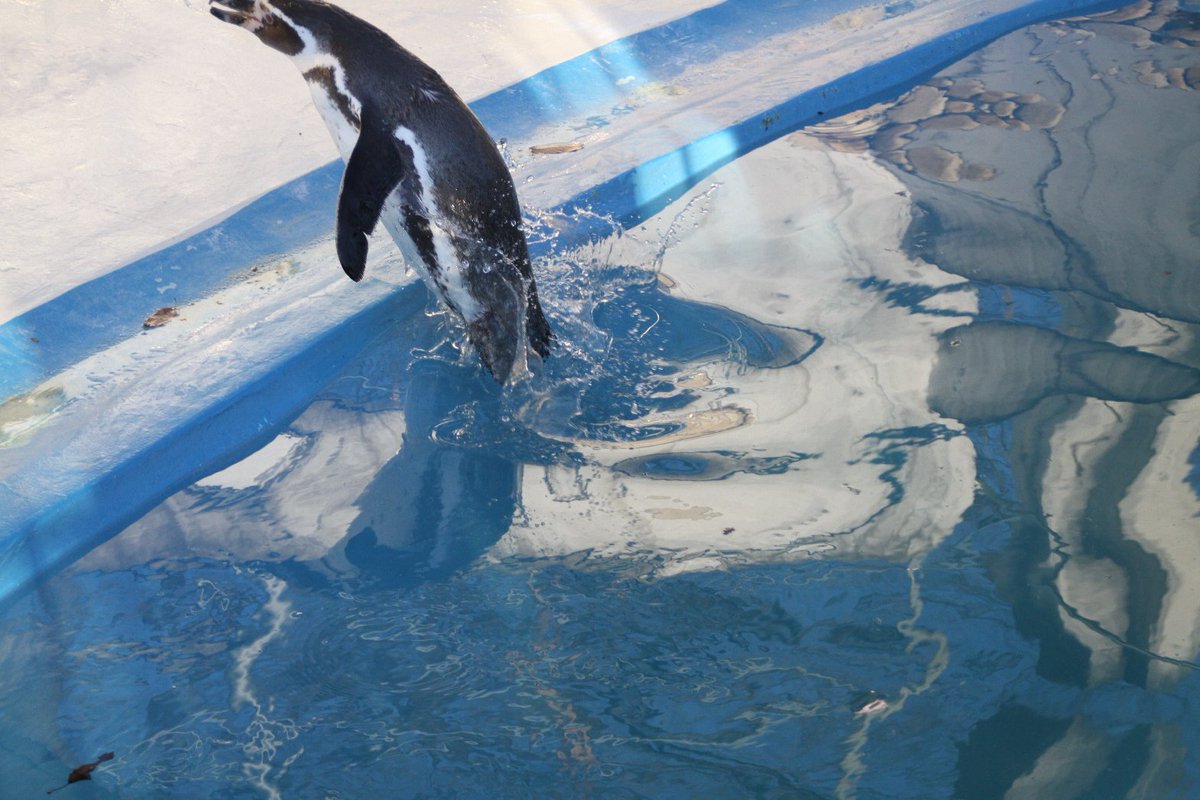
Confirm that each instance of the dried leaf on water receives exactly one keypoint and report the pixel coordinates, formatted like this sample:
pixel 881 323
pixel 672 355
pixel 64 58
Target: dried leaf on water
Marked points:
pixel 160 317
pixel 555 148
pixel 83 772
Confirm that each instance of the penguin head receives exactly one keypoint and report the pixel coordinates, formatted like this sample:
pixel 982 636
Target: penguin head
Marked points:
pixel 289 26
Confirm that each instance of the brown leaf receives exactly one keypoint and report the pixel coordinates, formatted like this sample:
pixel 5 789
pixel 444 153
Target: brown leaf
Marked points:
pixel 83 772
pixel 160 317
pixel 556 147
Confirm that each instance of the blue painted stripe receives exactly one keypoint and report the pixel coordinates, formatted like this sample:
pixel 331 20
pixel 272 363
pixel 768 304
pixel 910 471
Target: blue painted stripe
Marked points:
pixel 661 54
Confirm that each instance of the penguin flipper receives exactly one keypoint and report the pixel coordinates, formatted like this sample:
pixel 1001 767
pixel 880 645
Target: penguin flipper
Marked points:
pixel 375 168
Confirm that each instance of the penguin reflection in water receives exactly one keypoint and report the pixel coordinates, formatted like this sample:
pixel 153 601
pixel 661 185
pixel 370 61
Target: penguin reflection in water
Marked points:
pixel 417 159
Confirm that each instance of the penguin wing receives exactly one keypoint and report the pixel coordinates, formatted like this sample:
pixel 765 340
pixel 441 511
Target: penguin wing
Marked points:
pixel 375 168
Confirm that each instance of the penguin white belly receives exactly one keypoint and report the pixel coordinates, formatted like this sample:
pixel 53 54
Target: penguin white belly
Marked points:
pixel 341 129
pixel 392 218
pixel 451 280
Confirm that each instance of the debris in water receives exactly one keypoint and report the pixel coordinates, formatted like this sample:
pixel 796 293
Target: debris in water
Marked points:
pixel 82 773
pixel 160 317
pixel 868 703
pixel 556 147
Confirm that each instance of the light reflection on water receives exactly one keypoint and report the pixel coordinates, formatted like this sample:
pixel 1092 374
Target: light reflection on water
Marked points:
pixel 904 403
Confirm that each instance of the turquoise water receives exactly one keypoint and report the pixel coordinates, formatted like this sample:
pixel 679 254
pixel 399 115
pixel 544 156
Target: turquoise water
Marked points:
pixel 868 469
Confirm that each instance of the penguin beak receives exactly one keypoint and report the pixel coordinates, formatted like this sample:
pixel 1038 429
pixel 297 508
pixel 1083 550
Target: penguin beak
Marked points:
pixel 235 12
pixel 260 18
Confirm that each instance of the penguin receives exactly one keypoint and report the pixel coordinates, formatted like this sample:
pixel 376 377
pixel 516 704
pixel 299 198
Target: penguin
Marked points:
pixel 418 160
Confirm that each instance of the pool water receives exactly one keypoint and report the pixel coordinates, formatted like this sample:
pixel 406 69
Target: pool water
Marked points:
pixel 871 468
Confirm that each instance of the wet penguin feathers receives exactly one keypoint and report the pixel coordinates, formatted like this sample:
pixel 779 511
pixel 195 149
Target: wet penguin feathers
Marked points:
pixel 418 160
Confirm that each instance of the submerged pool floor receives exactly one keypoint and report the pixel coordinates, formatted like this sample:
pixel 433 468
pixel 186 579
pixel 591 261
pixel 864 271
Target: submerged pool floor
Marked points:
pixel 869 469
